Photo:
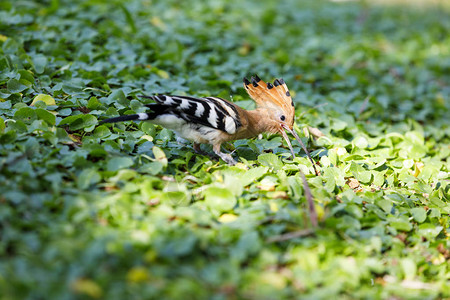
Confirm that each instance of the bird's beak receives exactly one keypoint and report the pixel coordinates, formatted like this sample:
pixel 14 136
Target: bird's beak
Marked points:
pixel 284 134
pixel 291 131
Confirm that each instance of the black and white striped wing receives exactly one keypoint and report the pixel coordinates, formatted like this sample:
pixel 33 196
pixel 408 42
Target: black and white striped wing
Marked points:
pixel 212 112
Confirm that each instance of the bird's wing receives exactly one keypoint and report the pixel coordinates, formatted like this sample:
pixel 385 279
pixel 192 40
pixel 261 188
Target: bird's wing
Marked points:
pixel 213 112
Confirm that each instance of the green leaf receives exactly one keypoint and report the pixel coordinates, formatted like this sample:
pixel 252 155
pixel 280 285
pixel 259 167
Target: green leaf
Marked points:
pixel 252 174
pixel 399 223
pixel 78 122
pixel 360 142
pixel 117 96
pixel 333 177
pixel 219 199
pixel 26 75
pixel 128 17
pixel 178 198
pixel 102 132
pixel 385 205
pixel 87 178
pixel 429 231
pixel 25 113
pixel 39 61
pixel 118 163
pixel 419 214
pixel 148 128
pixel 2 125
pixel 248 244
pixel 361 174
pixel 93 103
pixel 71 88
pixel 409 268
pixel 270 160
pixel 15 86
pixel 46 116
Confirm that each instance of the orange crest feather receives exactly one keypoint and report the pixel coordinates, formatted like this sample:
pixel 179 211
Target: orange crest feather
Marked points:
pixel 268 95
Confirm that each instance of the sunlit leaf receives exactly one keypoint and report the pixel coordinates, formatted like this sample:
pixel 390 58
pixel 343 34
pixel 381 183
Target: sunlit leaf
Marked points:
pixel 47 99
pixel 219 199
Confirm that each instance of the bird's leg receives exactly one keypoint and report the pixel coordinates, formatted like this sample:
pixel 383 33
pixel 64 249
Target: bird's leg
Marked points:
pixel 197 150
pixel 225 157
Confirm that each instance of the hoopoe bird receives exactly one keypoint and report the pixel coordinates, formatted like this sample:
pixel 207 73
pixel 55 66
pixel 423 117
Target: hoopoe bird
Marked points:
pixel 213 120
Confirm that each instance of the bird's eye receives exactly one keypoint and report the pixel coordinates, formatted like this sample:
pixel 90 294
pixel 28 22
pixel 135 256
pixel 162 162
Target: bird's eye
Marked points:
pixel 282 118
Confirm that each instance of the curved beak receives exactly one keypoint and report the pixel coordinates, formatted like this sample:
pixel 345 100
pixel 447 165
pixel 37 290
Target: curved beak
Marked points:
pixel 292 131
pixel 284 134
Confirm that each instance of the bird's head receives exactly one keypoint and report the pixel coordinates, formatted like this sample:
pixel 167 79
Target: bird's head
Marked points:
pixel 276 105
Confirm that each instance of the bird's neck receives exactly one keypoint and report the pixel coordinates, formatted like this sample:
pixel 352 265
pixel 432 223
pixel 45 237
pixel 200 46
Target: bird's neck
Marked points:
pixel 258 121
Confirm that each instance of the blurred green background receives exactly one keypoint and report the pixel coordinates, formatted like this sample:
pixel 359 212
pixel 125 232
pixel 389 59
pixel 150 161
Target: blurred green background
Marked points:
pixel 124 212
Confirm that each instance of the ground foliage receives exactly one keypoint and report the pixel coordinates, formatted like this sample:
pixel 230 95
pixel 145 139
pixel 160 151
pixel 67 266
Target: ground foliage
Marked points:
pixel 125 212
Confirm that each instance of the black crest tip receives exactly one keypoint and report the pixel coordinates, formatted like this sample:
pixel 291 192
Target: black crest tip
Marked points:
pixel 254 82
pixel 269 85
pixel 246 81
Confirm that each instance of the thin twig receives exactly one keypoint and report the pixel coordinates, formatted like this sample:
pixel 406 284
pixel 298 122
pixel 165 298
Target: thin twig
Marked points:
pixel 309 198
pixel 312 217
pixel 363 106
pixel 309 156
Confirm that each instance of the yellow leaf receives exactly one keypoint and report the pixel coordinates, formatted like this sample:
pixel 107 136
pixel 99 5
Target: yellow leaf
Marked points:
pixel 320 212
pixel 138 274
pixel 273 279
pixel 266 185
pixel 150 256
pixel 227 218
pixel 157 22
pixel 278 194
pixel 244 49
pixel 75 138
pixel 3 38
pixel 87 287
pixel 160 155
pixel 418 166
pixel 162 74
pixel 147 137
pixel 440 99
pixel 47 99
pixel 273 206
pixel 241 166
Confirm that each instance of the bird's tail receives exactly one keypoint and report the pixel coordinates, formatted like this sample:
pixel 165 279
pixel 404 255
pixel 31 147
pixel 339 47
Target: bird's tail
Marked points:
pixel 140 116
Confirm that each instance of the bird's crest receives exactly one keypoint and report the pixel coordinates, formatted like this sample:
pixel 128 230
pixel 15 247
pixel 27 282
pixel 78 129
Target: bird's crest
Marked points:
pixel 268 95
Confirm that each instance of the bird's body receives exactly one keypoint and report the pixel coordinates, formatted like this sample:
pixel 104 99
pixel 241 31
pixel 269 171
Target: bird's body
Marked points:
pixel 200 120
pixel 213 120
